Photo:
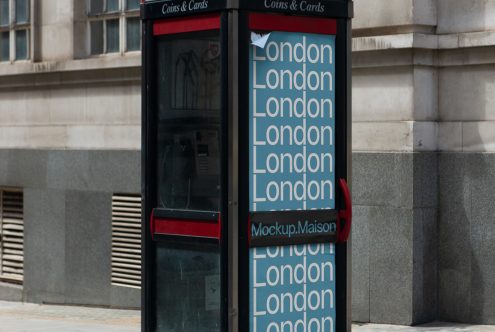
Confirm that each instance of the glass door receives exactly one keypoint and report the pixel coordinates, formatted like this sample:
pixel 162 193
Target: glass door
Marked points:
pixel 188 186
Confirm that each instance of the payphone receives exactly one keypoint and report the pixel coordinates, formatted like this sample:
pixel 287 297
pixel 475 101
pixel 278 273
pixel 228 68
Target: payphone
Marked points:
pixel 246 159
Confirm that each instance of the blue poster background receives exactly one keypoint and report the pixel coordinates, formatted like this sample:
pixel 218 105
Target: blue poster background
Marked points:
pixel 292 149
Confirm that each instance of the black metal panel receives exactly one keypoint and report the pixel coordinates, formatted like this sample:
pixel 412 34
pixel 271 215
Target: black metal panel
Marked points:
pixel 342 151
pixel 292 227
pixel 173 8
pixel 333 9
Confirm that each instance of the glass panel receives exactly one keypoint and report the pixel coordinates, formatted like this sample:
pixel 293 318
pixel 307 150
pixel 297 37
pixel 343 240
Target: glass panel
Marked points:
pixel 95 7
pixel 188 287
pixel 21 45
pixel 97 37
pixel 113 36
pixel 5 46
pixel 132 4
pixel 112 5
pixel 21 11
pixel 4 12
pixel 189 121
pixel 133 34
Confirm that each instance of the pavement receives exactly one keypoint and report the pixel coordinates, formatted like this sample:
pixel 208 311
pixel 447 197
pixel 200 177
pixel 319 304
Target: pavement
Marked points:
pixel 26 317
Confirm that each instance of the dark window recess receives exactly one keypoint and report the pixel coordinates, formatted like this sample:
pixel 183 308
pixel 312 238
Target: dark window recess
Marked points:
pixel 133 37
pixel 188 166
pixel 113 36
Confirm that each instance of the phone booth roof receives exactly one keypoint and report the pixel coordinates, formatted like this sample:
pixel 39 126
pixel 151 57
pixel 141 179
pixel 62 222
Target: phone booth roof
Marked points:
pixel 156 9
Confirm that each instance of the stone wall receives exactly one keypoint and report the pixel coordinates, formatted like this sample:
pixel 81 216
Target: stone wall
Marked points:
pixel 423 139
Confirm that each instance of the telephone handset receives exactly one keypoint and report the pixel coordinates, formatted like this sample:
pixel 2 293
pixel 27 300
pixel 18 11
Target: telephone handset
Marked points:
pixel 189 169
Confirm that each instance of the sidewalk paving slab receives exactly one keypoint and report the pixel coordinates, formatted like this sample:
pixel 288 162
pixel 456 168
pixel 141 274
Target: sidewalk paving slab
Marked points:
pixel 28 317
pixel 432 327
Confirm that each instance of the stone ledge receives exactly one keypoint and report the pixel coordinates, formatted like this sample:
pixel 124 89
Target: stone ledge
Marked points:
pixel 424 41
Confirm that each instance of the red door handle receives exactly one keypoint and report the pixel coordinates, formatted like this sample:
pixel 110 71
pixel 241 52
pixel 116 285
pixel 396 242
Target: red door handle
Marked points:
pixel 345 215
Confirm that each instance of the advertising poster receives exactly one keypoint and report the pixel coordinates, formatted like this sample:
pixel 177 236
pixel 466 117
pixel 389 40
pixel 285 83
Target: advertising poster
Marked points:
pixel 292 167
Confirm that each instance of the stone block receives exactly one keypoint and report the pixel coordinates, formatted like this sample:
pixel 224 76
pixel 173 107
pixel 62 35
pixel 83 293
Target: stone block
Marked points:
pixel 382 13
pixel 27 168
pixel 425 260
pixel 115 171
pixel 88 247
pixel 450 136
pixel 465 16
pixel 44 245
pixel 370 103
pixel 382 179
pixel 360 265
pixel 68 170
pixel 425 184
pixel 11 292
pixel 125 297
pixel 466 93
pixel 478 136
pixel 391 265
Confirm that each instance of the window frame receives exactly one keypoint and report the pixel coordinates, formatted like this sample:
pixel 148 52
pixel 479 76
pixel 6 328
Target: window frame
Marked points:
pixel 13 27
pixel 122 15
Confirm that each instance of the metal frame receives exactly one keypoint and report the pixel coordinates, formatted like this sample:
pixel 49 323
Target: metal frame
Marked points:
pixel 149 131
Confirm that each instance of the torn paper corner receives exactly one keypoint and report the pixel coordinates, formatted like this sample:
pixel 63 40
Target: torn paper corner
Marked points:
pixel 259 40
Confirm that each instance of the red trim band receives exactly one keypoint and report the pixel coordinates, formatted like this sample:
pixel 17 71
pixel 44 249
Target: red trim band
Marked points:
pixel 171 26
pixel 188 228
pixel 271 22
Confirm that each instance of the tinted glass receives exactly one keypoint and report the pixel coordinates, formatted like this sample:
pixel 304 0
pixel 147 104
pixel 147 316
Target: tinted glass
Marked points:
pixel 188 161
pixel 113 36
pixel 188 287
pixel 96 37
pixel 21 45
pixel 112 5
pixel 95 6
pixel 132 4
pixel 22 11
pixel 133 34
pixel 5 46
pixel 4 12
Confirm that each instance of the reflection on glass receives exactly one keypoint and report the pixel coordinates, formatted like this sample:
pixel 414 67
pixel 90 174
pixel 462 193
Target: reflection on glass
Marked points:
pixel 188 168
pixel 113 36
pixel 95 7
pixel 4 12
pixel 188 287
pixel 132 4
pixel 133 34
pixel 5 46
pixel 21 11
pixel 112 5
pixel 97 37
pixel 21 45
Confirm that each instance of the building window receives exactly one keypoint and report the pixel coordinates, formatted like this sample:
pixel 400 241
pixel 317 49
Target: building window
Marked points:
pixel 15 29
pixel 11 235
pixel 126 240
pixel 114 26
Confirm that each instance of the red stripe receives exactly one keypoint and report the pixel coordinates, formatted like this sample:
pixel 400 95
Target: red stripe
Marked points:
pixel 191 228
pixel 271 22
pixel 186 24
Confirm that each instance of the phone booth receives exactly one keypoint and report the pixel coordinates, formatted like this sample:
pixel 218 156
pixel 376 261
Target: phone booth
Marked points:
pixel 246 132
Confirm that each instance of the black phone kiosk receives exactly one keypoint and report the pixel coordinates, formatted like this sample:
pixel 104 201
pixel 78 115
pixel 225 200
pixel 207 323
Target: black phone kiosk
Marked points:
pixel 245 161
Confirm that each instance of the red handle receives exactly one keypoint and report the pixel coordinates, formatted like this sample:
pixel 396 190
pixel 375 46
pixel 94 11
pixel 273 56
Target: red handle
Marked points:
pixel 345 214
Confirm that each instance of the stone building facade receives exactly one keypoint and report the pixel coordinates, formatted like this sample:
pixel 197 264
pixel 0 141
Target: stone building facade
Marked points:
pixel 423 162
